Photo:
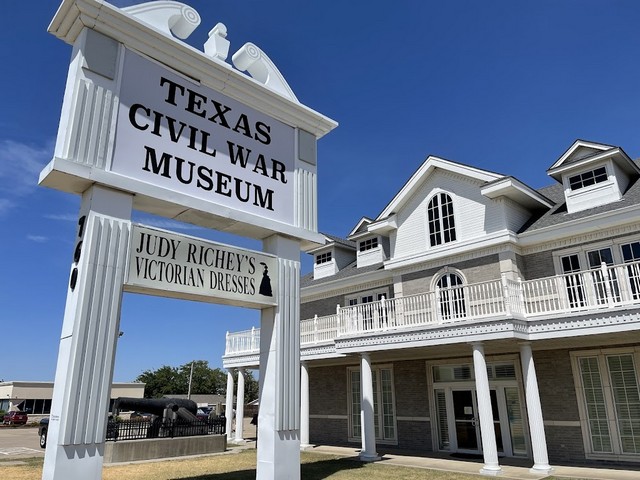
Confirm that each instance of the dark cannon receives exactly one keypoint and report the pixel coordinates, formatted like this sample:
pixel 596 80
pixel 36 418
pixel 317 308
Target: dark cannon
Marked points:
pixel 157 406
pixel 173 416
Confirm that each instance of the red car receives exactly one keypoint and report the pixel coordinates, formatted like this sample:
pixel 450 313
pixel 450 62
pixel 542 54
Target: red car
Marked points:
pixel 15 418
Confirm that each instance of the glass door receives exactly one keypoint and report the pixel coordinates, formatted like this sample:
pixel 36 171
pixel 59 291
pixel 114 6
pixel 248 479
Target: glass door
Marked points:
pixel 467 421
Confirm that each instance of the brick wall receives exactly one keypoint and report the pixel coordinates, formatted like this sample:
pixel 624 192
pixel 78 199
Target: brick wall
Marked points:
pixel 555 383
pixel 412 400
pixel 324 306
pixel 328 390
pixel 477 270
pixel 559 404
pixel 537 265
pixel 410 379
pixel 328 431
pixel 328 396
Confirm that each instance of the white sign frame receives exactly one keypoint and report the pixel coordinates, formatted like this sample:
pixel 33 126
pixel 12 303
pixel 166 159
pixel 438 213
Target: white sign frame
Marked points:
pixel 168 264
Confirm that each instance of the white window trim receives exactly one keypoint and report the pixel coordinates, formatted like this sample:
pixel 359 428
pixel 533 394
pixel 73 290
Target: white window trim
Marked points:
pixel 374 293
pixel 389 366
pixel 445 271
pixel 581 251
pixel 370 239
pixel 490 359
pixel 617 454
pixel 594 186
pixel 330 260
pixel 454 205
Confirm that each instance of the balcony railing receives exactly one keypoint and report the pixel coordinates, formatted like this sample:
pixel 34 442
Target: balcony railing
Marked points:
pixel 608 286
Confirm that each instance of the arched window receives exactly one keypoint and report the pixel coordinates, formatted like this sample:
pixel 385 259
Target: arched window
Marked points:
pixel 451 297
pixel 442 227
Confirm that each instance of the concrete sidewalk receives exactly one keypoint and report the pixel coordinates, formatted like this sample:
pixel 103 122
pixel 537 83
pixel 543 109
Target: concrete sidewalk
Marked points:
pixel 511 468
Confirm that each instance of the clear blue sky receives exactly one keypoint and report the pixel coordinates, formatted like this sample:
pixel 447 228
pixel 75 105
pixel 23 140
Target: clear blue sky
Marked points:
pixel 502 85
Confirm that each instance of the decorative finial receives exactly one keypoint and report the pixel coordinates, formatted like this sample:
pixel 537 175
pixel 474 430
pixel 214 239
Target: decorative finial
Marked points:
pixel 217 46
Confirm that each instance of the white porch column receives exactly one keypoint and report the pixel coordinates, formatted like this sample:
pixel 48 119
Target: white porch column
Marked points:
pixel 279 414
pixel 534 411
pixel 368 452
pixel 304 405
pixel 78 421
pixel 489 447
pixel 229 405
pixel 240 407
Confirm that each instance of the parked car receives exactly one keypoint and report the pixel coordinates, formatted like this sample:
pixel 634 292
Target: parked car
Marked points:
pixel 142 416
pixel 43 428
pixel 202 414
pixel 42 431
pixel 15 418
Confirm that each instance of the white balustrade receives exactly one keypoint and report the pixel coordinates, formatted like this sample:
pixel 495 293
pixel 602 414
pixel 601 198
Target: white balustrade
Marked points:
pixel 606 286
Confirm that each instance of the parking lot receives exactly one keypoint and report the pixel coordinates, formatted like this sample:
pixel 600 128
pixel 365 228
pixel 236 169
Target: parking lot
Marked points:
pixel 19 442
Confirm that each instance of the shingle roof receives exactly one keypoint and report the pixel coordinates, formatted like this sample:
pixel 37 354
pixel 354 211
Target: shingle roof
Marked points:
pixel 558 214
pixel 340 241
pixel 555 216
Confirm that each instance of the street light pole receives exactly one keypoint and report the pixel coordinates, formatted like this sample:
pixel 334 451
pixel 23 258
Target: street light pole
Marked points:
pixel 190 378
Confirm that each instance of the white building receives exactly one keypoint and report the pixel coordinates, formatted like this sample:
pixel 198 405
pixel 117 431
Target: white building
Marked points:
pixel 477 315
pixel 35 397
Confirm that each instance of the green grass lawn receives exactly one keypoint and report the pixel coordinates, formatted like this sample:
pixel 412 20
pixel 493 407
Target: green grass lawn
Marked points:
pixel 242 466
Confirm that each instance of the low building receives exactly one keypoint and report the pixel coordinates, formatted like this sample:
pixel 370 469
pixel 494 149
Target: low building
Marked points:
pixel 476 315
pixel 215 403
pixel 35 397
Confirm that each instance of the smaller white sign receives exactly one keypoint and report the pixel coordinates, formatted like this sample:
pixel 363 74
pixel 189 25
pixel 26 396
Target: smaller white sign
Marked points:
pixel 178 266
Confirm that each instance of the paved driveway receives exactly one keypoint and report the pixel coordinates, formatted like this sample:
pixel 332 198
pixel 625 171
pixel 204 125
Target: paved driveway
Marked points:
pixel 19 442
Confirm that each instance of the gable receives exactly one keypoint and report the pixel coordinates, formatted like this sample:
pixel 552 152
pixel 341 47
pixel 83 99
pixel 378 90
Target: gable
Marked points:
pixel 423 174
pixel 474 214
pixel 579 150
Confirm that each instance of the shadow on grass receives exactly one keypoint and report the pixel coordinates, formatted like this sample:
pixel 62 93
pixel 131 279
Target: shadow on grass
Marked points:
pixel 317 470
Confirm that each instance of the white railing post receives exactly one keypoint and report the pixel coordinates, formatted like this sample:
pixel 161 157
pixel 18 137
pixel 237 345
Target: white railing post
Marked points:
pixel 505 294
pixel 315 329
pixel 253 338
pixel 437 314
pixel 606 278
pixel 340 327
pixel 383 313
pixel 523 305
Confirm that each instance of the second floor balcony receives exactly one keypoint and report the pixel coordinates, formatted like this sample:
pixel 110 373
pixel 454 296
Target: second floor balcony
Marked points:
pixel 609 287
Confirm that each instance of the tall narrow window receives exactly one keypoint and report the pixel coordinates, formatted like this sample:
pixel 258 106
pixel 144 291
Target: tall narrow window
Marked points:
pixel 452 305
pixel 383 404
pixel 631 255
pixel 573 281
pixel 626 398
pixel 601 282
pixel 442 228
pixel 611 402
pixel 596 406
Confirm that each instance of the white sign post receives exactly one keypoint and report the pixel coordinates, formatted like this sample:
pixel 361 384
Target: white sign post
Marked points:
pixel 145 126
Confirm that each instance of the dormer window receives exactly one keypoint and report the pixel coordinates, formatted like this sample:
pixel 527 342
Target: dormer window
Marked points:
pixel 323 258
pixel 368 244
pixel 442 227
pixel 586 179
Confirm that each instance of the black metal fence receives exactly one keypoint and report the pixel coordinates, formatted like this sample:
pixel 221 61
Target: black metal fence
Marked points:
pixel 139 429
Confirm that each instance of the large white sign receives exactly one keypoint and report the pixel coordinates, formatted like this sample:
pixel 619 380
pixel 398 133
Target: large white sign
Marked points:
pixel 167 264
pixel 174 133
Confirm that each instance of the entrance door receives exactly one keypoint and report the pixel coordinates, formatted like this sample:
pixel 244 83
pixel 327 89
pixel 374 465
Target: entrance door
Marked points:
pixel 467 421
